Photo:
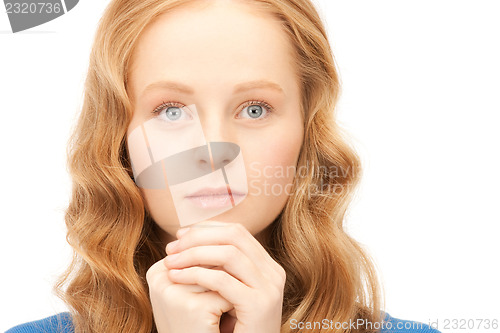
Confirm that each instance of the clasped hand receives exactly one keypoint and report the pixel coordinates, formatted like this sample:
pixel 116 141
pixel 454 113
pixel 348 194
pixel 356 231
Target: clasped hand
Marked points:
pixel 213 271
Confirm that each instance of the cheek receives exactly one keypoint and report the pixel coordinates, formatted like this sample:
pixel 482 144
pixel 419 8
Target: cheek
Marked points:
pixel 278 155
pixel 271 167
pixel 161 207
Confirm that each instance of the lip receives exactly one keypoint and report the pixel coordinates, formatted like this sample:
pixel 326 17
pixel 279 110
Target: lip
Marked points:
pixel 207 191
pixel 213 197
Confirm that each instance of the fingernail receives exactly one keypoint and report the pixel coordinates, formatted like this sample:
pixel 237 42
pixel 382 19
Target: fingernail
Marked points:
pixel 174 271
pixel 181 232
pixel 172 257
pixel 171 246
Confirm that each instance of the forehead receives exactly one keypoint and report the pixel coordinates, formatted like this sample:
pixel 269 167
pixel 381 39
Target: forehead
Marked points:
pixel 222 42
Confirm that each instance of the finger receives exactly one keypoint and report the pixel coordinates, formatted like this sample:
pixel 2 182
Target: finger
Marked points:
pixel 228 257
pixel 208 302
pixel 165 261
pixel 195 289
pixel 239 234
pixel 157 275
pixel 216 280
pixel 218 304
pixel 223 233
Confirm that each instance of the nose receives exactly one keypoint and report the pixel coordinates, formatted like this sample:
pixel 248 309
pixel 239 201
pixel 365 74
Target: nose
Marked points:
pixel 199 161
pixel 216 156
pixel 218 133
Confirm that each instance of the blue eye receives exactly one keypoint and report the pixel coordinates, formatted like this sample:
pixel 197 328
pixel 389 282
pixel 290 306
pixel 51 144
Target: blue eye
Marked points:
pixel 257 110
pixel 254 111
pixel 171 112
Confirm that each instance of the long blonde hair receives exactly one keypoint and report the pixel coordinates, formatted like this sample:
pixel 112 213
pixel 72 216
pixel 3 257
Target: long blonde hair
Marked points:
pixel 115 240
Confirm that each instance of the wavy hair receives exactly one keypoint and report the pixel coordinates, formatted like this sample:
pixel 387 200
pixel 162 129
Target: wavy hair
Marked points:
pixel 114 238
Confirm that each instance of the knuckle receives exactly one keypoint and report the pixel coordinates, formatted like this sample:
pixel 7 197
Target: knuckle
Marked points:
pixel 195 272
pixel 236 230
pixel 151 272
pixel 241 228
pixel 171 296
pixel 282 273
pixel 232 253
pixel 275 296
pixel 171 292
pixel 149 276
pixel 280 270
pixel 221 279
pixel 192 305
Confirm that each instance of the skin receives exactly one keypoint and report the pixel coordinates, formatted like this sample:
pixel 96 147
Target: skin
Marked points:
pixel 193 45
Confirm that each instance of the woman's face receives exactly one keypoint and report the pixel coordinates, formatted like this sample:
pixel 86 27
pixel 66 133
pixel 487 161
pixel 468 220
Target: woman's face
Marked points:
pixel 220 55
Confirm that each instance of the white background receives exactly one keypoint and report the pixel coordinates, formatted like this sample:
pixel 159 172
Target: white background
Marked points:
pixel 421 88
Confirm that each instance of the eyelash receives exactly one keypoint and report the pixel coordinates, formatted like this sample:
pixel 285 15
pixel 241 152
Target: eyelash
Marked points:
pixel 269 108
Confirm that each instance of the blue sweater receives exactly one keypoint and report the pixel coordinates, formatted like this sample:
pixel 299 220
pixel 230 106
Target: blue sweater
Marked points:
pixel 61 323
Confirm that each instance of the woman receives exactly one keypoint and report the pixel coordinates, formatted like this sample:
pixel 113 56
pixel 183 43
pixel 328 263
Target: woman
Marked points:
pixel 261 75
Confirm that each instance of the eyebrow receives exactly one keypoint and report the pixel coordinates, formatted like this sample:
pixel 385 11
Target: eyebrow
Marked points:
pixel 239 88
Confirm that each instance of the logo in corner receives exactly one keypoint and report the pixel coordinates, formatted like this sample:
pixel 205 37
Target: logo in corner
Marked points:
pixel 26 14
